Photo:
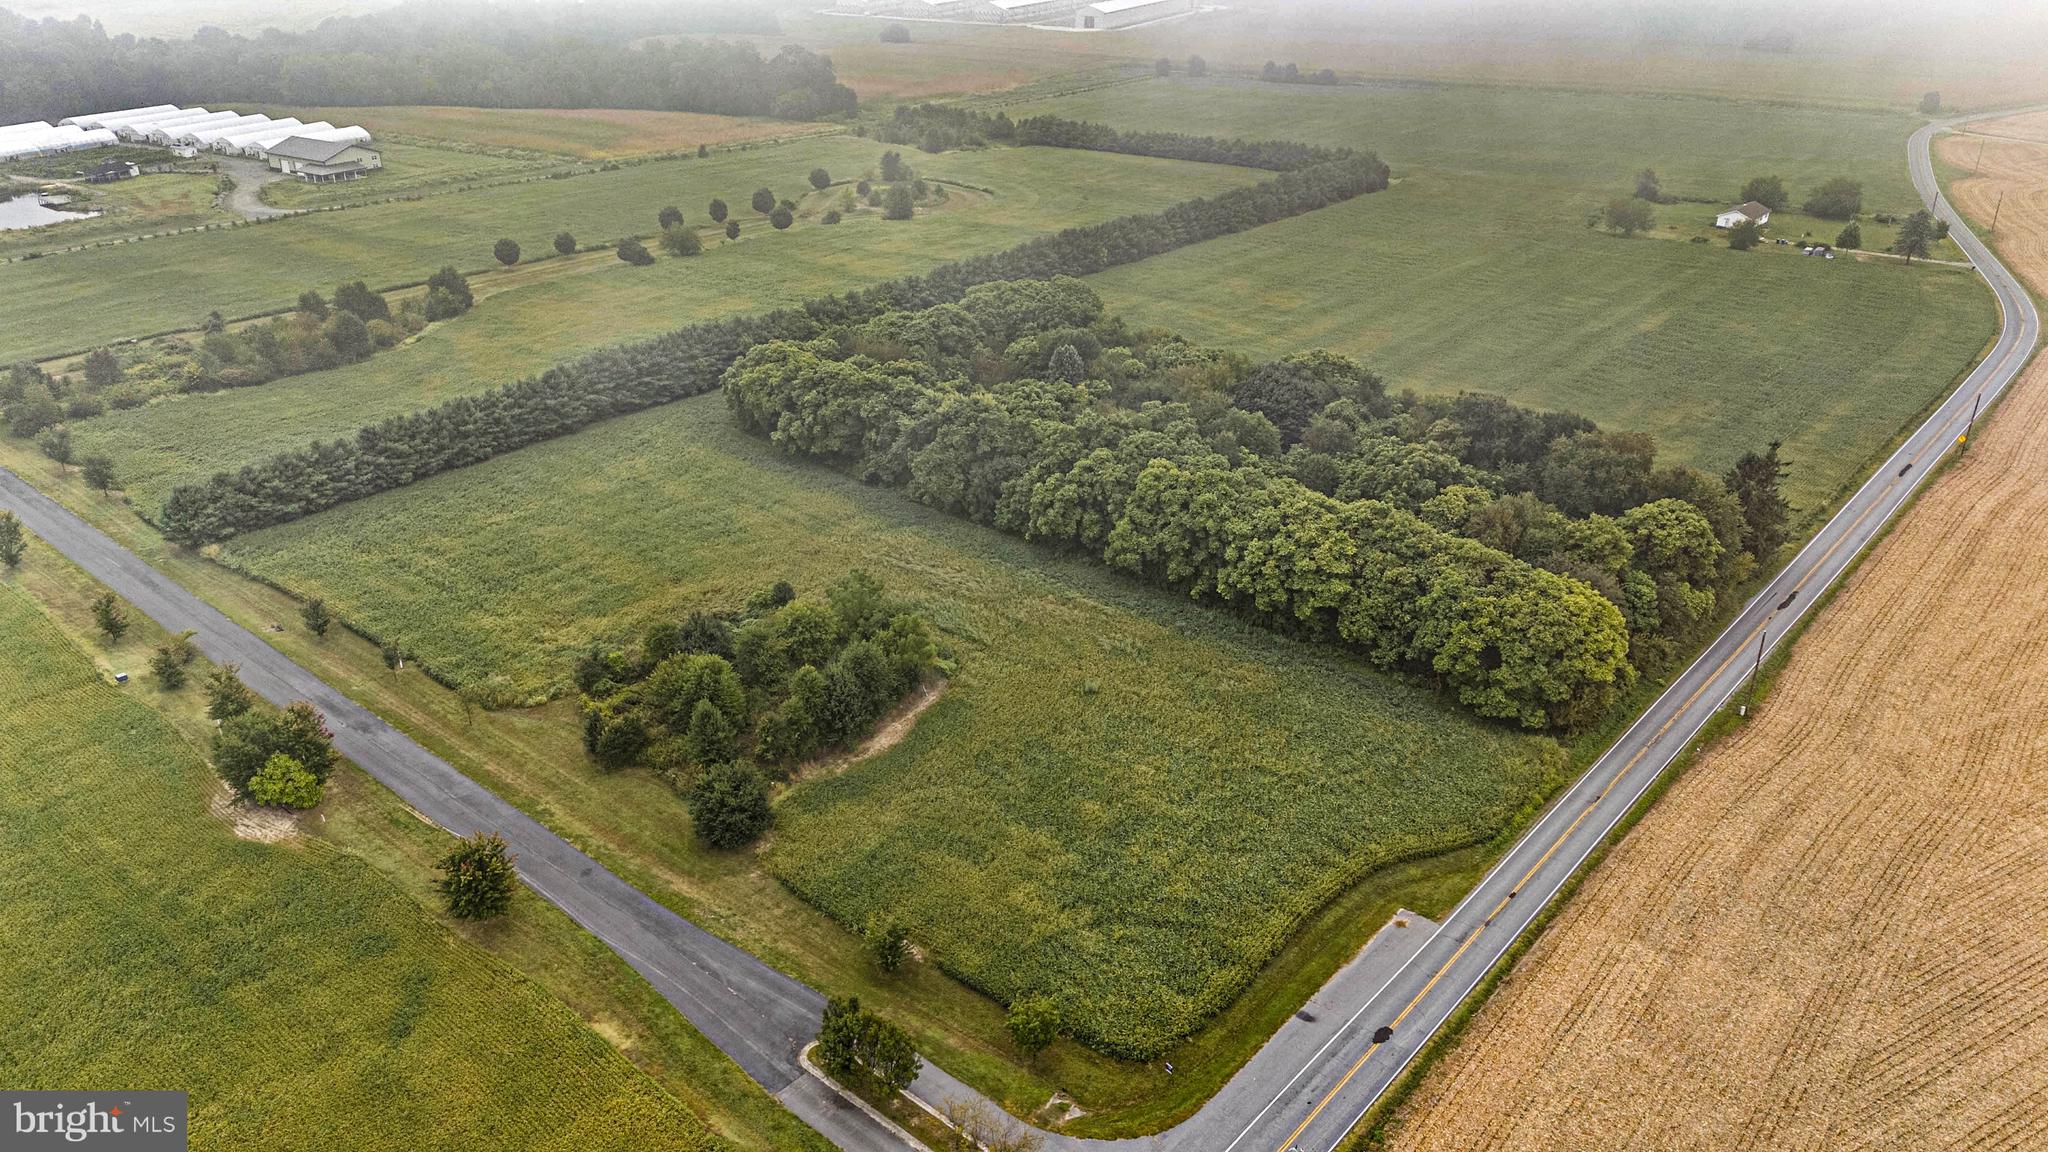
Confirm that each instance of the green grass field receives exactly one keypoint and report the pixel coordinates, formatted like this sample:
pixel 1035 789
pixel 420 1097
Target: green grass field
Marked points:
pixel 409 169
pixel 526 329
pixel 1476 271
pixel 287 987
pixel 73 301
pixel 1124 797
pixel 158 202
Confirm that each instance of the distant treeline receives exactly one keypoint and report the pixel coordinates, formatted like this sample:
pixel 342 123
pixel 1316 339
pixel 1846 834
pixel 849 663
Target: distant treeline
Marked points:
pixel 690 360
pixel 492 55
pixel 936 128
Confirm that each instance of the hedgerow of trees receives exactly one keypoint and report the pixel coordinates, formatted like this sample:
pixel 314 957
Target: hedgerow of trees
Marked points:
pixel 705 700
pixel 689 361
pixel 1517 557
pixel 489 54
pixel 318 334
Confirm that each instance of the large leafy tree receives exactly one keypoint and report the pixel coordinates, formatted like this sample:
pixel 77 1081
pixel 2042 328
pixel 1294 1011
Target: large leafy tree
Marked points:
pixel 477 877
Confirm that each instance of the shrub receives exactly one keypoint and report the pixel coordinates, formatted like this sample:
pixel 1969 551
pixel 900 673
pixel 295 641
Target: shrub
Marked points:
pixel 729 805
pixel 895 34
pixel 718 211
pixel 1837 199
pixel 764 201
pixel 1851 237
pixel 1034 1023
pixel 635 253
pixel 454 283
pixel 898 203
pixel 732 229
pixel 506 252
pixel 1745 236
pixel 677 240
pixel 283 782
pixel 782 217
pixel 477 877
pixel 670 217
pixel 111 618
pixel 168 669
pixel 245 742
pixel 356 299
pixel 99 472
pixel 55 443
pixel 710 738
pixel 831 216
pixel 865 1051
pixel 888 944
pixel 820 179
pixel 565 244
pixel 226 695
pixel 314 614
pixel 13 543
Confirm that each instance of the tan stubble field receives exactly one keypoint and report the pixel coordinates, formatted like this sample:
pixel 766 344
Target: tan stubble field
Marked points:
pixel 1832 932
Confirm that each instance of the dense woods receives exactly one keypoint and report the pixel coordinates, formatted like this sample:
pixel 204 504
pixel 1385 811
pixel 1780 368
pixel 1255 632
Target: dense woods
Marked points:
pixel 492 55
pixel 1519 557
pixel 690 360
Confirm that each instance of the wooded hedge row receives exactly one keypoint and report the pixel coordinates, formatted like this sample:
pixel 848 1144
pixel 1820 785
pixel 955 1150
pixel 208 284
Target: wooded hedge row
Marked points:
pixel 1048 461
pixel 688 361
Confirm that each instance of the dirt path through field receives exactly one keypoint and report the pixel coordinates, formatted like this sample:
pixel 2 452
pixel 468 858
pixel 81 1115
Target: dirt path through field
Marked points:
pixel 1831 933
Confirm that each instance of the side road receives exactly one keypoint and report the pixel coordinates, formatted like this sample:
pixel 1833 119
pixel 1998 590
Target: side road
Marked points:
pixel 756 1015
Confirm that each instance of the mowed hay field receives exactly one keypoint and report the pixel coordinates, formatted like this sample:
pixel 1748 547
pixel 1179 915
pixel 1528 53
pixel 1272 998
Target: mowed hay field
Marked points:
pixel 1476 271
pixel 1829 933
pixel 284 986
pixel 602 300
pixel 1123 796
pixel 590 133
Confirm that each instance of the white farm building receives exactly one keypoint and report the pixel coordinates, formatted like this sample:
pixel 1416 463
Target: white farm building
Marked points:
pixel 22 141
pixel 1034 11
pixel 189 131
pixel 1124 13
pixel 1761 213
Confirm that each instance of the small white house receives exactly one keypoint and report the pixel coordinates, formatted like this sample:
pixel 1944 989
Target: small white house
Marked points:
pixel 1753 211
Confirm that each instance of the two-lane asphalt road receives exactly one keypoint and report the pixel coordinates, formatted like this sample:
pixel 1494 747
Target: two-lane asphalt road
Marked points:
pixel 756 1015
pixel 1339 1084
pixel 1308 1086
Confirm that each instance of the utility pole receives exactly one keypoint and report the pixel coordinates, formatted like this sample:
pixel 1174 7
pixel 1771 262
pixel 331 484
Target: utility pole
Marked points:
pixel 1762 635
pixel 1979 162
pixel 1994 215
pixel 1963 441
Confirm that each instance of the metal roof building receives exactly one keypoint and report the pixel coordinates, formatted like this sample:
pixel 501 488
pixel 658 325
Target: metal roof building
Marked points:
pixel 1124 13
pixel 66 138
pixel 1035 11
pixel 95 119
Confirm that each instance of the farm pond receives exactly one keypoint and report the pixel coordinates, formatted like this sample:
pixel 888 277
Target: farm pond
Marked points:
pixel 29 211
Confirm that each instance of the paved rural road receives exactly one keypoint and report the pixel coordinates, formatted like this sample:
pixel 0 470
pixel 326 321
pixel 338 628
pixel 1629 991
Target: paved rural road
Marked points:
pixel 1310 1083
pixel 756 1015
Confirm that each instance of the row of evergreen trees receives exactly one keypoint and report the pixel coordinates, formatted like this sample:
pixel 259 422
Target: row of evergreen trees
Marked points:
pixel 689 361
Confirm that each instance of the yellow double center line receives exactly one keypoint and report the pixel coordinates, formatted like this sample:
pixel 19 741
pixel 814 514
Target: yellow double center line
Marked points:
pixel 1682 709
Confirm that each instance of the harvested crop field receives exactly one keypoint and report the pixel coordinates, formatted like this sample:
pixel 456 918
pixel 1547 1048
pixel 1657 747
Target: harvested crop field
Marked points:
pixel 1828 934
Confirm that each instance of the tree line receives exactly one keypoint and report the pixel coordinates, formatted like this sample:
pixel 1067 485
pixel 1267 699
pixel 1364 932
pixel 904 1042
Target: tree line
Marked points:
pixel 1520 557
pixel 689 361
pixel 1183 501
pixel 965 127
pixel 493 55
